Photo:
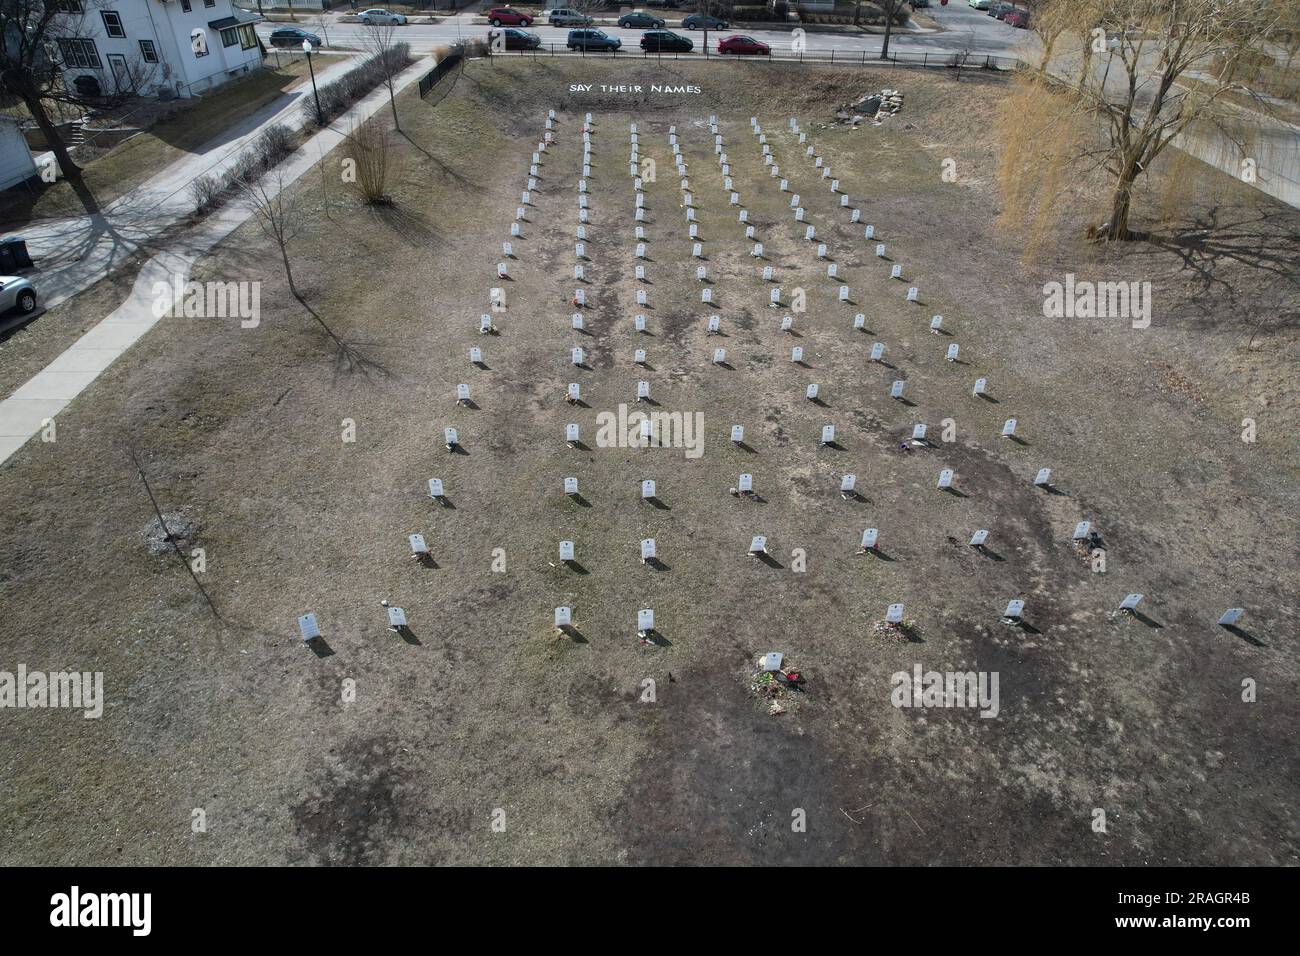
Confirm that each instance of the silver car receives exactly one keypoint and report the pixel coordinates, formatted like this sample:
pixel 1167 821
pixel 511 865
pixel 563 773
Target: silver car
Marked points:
pixel 17 293
pixel 382 17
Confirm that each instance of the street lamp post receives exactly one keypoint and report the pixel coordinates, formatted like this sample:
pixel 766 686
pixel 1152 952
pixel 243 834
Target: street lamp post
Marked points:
pixel 306 48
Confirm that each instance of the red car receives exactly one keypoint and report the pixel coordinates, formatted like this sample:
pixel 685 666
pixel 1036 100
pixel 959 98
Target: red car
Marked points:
pixel 506 17
pixel 736 43
pixel 1018 19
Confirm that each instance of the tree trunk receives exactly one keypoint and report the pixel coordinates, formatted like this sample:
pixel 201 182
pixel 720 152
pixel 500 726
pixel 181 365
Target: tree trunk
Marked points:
pixel 392 101
pixel 889 26
pixel 35 106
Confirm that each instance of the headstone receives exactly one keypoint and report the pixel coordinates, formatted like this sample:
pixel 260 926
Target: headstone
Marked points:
pixel 462 394
pixel 828 434
pixel 574 392
pixel 822 250
pixel 578 272
pixel 844 293
pixel 787 324
pixel 578 356
pixel 912 293
pixel 918 432
pixel 745 484
pixel 507 250
pixel 648 550
pixel 697 250
pixel 701 273
pixel 476 356
pixel 566 550
pixel 638 322
pixel 645 621
pixel 577 321
pixel 869 538
pixel 896 271
pixel 810 392
pixel 945 478
pixel 485 324
pixel 1081 530
pixel 1014 610
pixel 877 351
pixel 563 617
pixel 638 357
pixel 715 324
pixel 737 434
pixel 514 229
pixel 648 489
pixel 641 297
pixel 870 233
pixel 571 433
pixel 859 321
pixel 308 628
pixel 450 438
pixel 835 187
pixel 1231 616
pixel 894 614
pixel 1009 428
pixel 769 273
pixel 757 546
pixel 580 250
pixel 396 618
pixel 706 295
pixel 580 297
pixel 980 385
pixel 847 484
pixel 796 354
pixel 978 539
pixel 570 486
pixel 1043 477
pixel 1130 602
pixel 719 356
pixel 642 392
pixel 953 351
pixel 856 215
pixel 936 323
pixel 757 251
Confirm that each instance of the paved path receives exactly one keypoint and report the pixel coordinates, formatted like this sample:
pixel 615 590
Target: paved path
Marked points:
pixel 24 413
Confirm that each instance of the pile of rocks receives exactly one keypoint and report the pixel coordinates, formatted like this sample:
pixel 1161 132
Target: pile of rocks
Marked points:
pixel 875 107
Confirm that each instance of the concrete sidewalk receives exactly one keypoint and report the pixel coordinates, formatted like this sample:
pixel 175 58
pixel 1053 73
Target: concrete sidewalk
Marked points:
pixel 75 252
pixel 26 412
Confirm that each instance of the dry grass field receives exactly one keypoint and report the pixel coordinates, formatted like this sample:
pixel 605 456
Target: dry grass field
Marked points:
pixel 482 708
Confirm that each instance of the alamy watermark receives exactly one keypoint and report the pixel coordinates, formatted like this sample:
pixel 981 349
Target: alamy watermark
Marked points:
pixel 625 429
pixel 1082 299
pixel 209 300
pixel 923 688
pixel 65 689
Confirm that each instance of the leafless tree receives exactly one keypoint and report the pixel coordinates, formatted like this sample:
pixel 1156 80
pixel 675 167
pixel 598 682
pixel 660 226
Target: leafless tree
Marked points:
pixel 377 39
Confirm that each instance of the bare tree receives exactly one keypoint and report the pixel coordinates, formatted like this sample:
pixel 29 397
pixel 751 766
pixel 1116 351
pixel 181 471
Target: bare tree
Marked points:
pixel 891 8
pixel 377 39
pixel 376 164
pixel 1161 54
pixel 37 39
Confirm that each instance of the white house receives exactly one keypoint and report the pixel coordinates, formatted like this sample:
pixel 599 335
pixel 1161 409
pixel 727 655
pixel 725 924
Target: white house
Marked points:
pixel 168 47
pixel 16 162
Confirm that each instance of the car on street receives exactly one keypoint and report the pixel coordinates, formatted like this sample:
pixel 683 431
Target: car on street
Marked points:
pixel 1018 19
pixel 700 21
pixel 999 10
pixel 592 40
pixel 742 45
pixel 513 39
pixel 981 4
pixel 380 17
pixel 564 17
pixel 640 20
pixel 293 37
pixel 665 41
pixel 18 294
pixel 508 17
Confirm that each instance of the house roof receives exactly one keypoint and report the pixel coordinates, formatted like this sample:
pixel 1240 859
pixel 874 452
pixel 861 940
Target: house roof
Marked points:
pixel 241 16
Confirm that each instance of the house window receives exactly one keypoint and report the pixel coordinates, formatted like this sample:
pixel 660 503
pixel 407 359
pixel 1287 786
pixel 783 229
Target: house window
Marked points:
pixel 80 54
pixel 247 37
pixel 185 6
pixel 229 36
pixel 209 3
pixel 113 24
pixel 148 51
pixel 68 6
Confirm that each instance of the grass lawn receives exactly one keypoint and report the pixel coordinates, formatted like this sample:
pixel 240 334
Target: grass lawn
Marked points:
pixel 302 480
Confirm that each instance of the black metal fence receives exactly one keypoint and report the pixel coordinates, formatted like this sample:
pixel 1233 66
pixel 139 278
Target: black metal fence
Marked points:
pixel 964 60
pixel 443 66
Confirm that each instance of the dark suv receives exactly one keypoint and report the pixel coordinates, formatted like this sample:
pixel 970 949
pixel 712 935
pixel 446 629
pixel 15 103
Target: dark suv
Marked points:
pixel 665 41
pixel 592 40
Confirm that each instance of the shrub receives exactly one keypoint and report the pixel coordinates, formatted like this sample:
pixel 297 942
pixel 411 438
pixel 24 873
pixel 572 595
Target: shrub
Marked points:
pixel 338 96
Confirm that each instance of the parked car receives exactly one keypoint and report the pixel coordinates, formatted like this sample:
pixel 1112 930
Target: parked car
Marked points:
pixel 293 37
pixel 666 4
pixel 592 40
pixel 514 39
pixel 700 21
pixel 508 17
pixel 917 4
pixel 17 293
pixel 999 10
pixel 1018 19
pixel 743 45
pixel 665 41
pixel 564 17
pixel 382 18
pixel 640 20
pixel 981 4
